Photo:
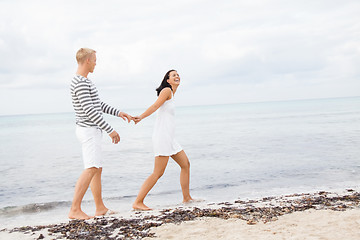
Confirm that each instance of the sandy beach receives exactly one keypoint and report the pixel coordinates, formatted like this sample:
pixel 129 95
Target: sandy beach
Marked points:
pixel 321 215
pixel 310 224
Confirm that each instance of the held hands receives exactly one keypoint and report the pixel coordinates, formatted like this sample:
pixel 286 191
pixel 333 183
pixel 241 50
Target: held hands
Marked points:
pixel 136 119
pixel 125 116
pixel 129 117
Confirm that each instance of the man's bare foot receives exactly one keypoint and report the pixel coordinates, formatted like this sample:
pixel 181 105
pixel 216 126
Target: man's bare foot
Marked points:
pixel 196 200
pixel 105 212
pixel 101 212
pixel 187 200
pixel 141 207
pixel 79 215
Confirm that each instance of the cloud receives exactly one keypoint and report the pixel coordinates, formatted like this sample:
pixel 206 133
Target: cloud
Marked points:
pixel 241 45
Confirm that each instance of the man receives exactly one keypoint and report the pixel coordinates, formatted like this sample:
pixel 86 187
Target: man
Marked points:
pixel 90 124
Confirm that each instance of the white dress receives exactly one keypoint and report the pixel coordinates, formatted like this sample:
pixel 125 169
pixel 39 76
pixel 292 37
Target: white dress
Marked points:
pixel 164 132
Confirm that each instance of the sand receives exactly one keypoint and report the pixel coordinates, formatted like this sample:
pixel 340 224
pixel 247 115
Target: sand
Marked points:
pixel 311 224
pixel 314 216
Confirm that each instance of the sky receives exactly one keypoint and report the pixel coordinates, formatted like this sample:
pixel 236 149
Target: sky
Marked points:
pixel 227 51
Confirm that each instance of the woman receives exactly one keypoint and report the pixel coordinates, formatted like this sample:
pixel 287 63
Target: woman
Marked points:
pixel 165 145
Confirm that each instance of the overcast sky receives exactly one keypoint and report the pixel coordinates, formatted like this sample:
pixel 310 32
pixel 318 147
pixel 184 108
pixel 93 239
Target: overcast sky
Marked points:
pixel 225 51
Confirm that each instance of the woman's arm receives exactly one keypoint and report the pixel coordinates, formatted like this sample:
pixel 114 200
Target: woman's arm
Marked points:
pixel 164 95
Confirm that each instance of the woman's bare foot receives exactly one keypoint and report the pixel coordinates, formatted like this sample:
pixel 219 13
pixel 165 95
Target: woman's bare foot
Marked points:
pixel 141 207
pixel 79 215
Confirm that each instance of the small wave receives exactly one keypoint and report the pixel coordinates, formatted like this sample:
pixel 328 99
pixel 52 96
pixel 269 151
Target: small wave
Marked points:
pixel 32 208
pixel 227 185
pixel 216 186
pixel 120 197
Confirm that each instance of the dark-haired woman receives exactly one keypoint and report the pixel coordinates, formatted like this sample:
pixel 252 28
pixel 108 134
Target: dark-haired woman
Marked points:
pixel 164 142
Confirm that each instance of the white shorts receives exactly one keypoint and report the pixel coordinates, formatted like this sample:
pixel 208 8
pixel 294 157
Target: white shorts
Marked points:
pixel 91 140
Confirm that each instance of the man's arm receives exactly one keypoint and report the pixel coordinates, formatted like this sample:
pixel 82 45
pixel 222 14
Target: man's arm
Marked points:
pixel 113 111
pixel 83 93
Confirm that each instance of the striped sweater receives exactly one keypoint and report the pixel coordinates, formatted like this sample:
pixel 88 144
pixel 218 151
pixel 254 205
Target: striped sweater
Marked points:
pixel 87 105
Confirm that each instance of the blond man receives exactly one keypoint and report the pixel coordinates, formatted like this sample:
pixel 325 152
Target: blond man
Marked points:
pixel 90 125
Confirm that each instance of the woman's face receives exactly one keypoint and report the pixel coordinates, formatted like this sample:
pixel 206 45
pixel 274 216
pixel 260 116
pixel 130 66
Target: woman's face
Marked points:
pixel 174 78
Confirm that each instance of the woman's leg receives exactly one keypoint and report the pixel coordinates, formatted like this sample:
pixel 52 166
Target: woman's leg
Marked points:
pixel 184 164
pixel 159 168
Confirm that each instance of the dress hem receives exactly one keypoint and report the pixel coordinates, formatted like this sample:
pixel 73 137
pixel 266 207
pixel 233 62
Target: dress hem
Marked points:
pixel 168 155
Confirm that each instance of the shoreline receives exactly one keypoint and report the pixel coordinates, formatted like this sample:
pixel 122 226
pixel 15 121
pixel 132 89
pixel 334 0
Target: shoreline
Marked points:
pixel 141 225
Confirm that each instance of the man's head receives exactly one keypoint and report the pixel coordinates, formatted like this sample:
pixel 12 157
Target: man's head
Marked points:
pixel 87 58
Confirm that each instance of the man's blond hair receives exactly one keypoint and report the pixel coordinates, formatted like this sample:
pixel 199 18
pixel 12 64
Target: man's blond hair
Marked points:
pixel 84 53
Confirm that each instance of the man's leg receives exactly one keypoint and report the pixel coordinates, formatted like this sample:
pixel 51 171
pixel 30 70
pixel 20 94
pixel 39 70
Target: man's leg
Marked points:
pixel 80 189
pixel 95 186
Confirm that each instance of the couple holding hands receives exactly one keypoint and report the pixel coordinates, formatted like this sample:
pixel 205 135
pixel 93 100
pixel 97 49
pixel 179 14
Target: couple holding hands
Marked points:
pixel 90 125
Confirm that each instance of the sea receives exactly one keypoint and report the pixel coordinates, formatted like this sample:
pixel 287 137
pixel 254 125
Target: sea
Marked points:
pixel 236 151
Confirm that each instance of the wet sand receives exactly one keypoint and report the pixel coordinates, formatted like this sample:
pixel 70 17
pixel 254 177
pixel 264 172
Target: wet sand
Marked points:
pixel 321 215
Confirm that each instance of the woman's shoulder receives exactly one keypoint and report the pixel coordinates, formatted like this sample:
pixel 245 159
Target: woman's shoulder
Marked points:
pixel 166 92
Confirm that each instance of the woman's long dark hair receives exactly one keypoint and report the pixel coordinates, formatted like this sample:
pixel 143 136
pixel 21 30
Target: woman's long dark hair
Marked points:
pixel 164 83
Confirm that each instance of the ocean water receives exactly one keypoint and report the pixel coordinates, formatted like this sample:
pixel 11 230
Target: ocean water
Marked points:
pixel 246 150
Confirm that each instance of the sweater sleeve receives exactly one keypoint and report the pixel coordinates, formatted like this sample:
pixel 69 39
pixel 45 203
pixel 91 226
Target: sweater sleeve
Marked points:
pixel 109 110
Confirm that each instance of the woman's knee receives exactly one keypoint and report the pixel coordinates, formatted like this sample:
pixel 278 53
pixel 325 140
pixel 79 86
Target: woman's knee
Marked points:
pixel 158 174
pixel 186 165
